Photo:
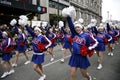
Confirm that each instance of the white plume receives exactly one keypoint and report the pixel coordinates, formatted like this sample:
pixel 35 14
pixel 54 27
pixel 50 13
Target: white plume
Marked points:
pixel 23 17
pixel 44 24
pixel 72 12
pixel 81 20
pixel 65 12
pixel 69 11
pixel 101 25
pixel 13 22
pixel 61 24
pixel 89 26
pixel 23 20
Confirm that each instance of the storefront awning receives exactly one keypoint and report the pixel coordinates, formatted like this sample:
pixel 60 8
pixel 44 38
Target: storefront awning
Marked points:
pixel 16 7
pixel 10 9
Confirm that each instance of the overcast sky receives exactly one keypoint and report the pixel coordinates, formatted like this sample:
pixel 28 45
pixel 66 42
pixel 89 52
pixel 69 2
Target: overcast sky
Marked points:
pixel 113 6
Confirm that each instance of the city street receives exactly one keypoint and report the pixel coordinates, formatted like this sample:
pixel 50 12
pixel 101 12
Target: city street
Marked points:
pixel 61 71
pixel 53 18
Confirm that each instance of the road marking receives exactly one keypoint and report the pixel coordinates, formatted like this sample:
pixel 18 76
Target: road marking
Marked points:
pixel 55 61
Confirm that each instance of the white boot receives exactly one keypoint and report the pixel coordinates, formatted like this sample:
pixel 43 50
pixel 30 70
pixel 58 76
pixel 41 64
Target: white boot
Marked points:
pixel 4 74
pixel 14 65
pixel 42 77
pixel 99 66
pixel 27 62
pixel 111 54
pixel 90 78
pixel 52 59
pixel 11 71
pixel 62 60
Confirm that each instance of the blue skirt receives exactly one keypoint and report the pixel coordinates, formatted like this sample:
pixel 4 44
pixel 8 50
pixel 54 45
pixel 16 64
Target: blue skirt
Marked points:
pixel 61 40
pixel 52 45
pixel 100 47
pixel 6 56
pixel 78 61
pixel 112 41
pixel 38 59
pixel 67 45
pixel 21 48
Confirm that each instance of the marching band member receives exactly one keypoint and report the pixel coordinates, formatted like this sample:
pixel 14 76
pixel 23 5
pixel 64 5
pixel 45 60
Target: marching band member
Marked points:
pixel 117 30
pixel 103 39
pixel 40 44
pixel 51 36
pixel 67 40
pixel 21 44
pixel 7 48
pixel 60 38
pixel 112 32
pixel 38 55
pixel 82 44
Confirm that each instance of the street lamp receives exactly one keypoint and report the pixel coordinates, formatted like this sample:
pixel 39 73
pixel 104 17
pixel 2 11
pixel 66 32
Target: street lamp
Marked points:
pixel 58 11
pixel 108 15
pixel 58 7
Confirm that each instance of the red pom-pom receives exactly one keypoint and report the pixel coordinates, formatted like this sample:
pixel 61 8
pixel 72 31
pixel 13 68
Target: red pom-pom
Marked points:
pixel 41 47
pixel 115 38
pixel 53 41
pixel 90 52
pixel 22 43
pixel 70 40
pixel 84 50
pixel 8 49
pixel 105 41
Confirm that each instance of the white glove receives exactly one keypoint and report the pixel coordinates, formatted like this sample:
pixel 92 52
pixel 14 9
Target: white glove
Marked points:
pixel 13 22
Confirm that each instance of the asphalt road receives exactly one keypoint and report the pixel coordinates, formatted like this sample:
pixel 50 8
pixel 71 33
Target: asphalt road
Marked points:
pixel 61 71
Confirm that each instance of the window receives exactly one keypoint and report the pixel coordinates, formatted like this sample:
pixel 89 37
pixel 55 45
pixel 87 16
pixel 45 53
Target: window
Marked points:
pixel 56 5
pixel 34 2
pixel 66 0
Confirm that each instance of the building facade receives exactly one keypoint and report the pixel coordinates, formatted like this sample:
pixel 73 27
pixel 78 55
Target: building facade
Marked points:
pixel 50 10
pixel 86 9
pixel 10 9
